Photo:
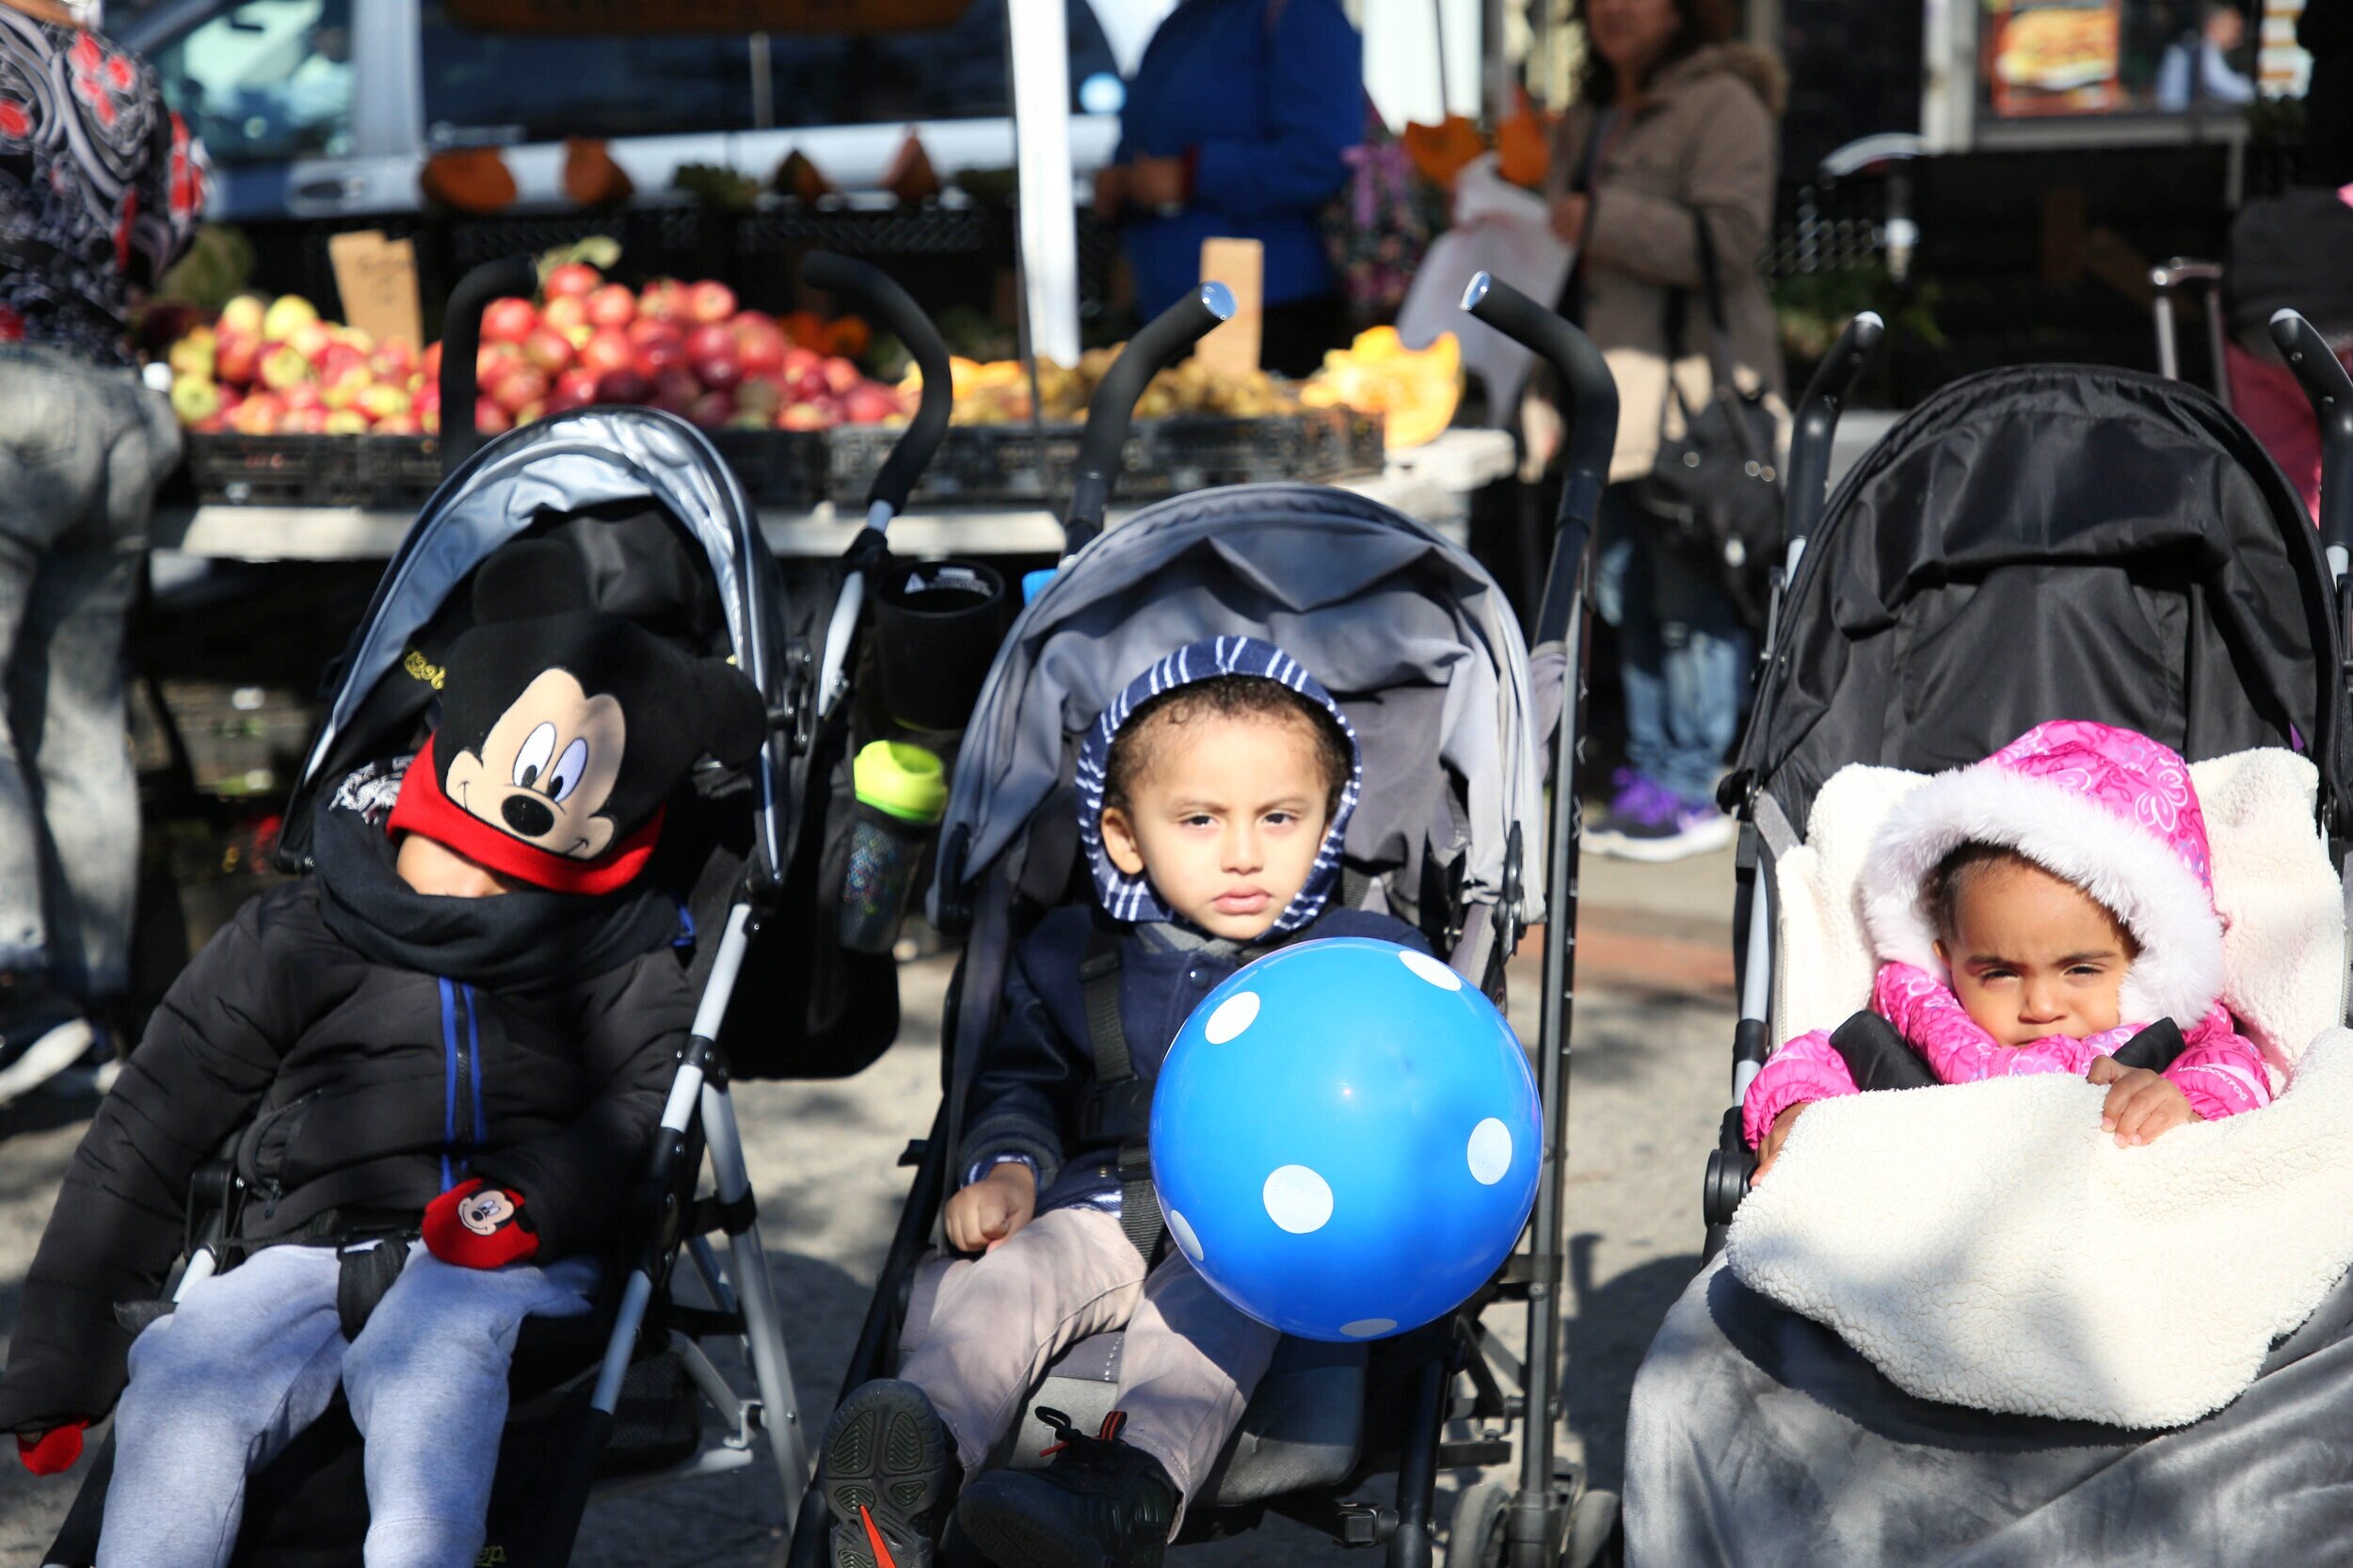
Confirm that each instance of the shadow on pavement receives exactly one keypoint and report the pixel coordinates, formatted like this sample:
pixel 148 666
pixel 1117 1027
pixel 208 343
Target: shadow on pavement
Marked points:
pixel 1611 1327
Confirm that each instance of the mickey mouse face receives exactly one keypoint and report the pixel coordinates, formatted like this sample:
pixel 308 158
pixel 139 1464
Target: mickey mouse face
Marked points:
pixel 546 769
pixel 484 1211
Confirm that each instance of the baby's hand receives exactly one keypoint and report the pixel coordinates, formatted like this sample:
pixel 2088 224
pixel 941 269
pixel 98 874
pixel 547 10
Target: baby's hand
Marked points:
pixel 2140 1104
pixel 984 1215
pixel 1779 1135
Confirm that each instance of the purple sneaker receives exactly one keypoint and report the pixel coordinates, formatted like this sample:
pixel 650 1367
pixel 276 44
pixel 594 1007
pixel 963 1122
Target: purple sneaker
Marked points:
pixel 1646 821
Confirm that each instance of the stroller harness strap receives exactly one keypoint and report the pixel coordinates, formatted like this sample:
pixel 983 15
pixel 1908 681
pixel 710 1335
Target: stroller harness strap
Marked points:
pixel 1115 1080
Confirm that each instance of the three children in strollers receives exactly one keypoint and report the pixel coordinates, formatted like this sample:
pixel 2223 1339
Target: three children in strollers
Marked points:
pixel 461 1080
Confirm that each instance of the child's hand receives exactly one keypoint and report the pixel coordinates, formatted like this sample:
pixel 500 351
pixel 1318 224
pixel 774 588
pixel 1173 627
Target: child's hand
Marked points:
pixel 52 1452
pixel 1770 1149
pixel 479 1227
pixel 2140 1104
pixel 984 1215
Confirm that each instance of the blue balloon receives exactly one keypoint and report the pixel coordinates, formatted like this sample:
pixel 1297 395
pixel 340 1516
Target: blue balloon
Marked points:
pixel 1346 1139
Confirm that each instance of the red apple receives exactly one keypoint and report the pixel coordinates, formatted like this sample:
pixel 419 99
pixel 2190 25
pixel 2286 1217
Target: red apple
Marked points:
pixel 797 359
pixel 806 386
pixel 721 372
pixel 345 422
pixel 760 347
pixel 660 347
pixel 575 389
pixel 612 305
pixel 283 366
pixel 870 403
pixel 312 339
pixel 381 402
pixel 257 415
pixel 710 301
pixel 709 339
pixel 302 398
pixel 237 359
pixel 806 416
pixel 400 424
pixel 565 311
pixel 624 384
pixel 508 320
pixel 305 421
pixel 574 280
pixel 550 350
pixel 609 350
pixel 531 413
pixel 431 361
pixel 494 360
pixel 711 410
pixel 520 387
pixel 676 390
pixel 491 419
pixel 663 299
pixel 840 375
pixel 393 361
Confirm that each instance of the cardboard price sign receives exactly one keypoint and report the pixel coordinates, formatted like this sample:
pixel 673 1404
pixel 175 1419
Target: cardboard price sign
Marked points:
pixel 377 279
pixel 705 16
pixel 1232 347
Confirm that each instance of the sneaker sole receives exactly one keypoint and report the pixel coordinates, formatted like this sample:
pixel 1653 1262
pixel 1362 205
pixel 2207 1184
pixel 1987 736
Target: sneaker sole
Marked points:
pixel 1012 1538
pixel 45 1058
pixel 1659 852
pixel 886 1471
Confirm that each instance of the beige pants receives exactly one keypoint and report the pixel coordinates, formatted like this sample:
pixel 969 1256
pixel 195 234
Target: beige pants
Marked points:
pixel 981 1333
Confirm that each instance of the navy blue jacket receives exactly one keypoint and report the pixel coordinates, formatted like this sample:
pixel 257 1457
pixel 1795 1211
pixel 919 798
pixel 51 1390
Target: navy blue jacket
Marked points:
pixel 1266 105
pixel 1034 1075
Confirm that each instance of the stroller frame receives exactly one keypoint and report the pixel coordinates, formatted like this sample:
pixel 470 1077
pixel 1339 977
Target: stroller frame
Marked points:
pixel 1546 1517
pixel 1731 1167
pixel 698 1120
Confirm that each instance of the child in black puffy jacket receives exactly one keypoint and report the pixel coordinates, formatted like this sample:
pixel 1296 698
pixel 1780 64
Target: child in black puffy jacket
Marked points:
pixel 454 1041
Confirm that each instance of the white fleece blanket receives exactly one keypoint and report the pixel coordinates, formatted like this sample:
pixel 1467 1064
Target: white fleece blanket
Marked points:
pixel 1985 1245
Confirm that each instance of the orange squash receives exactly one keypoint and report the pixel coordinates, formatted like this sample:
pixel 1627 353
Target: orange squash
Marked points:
pixel 591 178
pixel 1439 151
pixel 472 179
pixel 1524 143
pixel 1414 391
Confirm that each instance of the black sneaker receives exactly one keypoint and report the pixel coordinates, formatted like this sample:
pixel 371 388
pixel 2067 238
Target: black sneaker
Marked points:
pixel 887 1472
pixel 1101 1504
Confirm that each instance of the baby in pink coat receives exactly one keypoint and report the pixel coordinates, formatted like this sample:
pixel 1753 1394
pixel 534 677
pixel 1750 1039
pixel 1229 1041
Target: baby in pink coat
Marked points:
pixel 2033 912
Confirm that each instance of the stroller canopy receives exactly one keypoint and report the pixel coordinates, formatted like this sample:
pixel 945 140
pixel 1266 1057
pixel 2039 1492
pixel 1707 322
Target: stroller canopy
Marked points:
pixel 2052 542
pixel 1406 630
pixel 666 531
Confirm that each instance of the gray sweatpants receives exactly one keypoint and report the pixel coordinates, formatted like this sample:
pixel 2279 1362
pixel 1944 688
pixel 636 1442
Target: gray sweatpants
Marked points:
pixel 251 1357
pixel 981 1333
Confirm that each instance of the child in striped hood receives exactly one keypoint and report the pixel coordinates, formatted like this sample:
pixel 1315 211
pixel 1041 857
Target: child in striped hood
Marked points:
pixel 1214 795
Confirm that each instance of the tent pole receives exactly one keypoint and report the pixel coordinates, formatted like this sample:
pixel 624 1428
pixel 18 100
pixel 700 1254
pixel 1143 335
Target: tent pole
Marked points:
pixel 1048 235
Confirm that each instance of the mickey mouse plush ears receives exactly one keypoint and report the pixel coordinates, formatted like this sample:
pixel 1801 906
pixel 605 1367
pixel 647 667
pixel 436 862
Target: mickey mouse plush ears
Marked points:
pixel 564 729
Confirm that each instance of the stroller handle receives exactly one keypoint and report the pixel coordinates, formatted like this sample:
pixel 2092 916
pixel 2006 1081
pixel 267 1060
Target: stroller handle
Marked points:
pixel 461 341
pixel 880 292
pixel 1817 423
pixel 1157 346
pixel 1592 426
pixel 2329 390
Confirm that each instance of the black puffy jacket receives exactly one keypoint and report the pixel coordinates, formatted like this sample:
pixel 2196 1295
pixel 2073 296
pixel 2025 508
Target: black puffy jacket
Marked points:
pixel 376 1045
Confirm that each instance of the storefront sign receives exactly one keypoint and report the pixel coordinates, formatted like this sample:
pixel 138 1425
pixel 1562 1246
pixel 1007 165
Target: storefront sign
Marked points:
pixel 2053 56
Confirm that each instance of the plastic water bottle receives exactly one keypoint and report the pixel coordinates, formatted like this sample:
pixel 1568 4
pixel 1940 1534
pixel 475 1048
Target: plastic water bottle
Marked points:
pixel 902 794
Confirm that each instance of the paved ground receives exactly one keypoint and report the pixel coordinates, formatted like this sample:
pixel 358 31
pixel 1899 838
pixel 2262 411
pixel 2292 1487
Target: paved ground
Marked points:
pixel 1653 1027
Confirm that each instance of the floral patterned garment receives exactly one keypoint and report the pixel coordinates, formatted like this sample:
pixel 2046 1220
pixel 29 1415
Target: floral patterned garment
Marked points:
pixel 100 186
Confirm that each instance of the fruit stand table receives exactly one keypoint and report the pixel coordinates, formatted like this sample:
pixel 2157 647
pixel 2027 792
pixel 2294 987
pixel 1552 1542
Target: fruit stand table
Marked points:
pixel 1432 483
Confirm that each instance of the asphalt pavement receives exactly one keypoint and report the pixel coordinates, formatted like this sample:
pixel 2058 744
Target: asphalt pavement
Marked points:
pixel 1651 1036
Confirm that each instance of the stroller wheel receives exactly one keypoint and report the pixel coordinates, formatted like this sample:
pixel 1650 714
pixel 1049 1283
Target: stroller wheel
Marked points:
pixel 1475 1537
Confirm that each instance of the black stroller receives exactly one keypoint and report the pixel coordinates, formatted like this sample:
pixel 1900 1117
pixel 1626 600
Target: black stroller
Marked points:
pixel 1423 650
pixel 2032 543
pixel 618 1398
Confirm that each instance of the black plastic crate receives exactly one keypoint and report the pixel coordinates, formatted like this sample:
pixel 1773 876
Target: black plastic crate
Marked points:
pixel 402 471
pixel 980 464
pixel 235 470
pixel 776 468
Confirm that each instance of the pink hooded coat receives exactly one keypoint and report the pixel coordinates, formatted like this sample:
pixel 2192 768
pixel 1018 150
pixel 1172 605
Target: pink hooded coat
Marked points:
pixel 2108 810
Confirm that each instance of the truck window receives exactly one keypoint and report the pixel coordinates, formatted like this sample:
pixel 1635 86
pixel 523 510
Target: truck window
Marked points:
pixel 951 73
pixel 265 82
pixel 497 87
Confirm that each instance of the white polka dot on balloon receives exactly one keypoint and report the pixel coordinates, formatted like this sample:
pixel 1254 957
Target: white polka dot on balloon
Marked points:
pixel 1234 1014
pixel 1369 1328
pixel 1187 1243
pixel 1432 970
pixel 1490 1152
pixel 1298 1199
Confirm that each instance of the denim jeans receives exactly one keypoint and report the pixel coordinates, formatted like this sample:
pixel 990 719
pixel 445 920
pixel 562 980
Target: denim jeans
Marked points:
pixel 82 451
pixel 1683 650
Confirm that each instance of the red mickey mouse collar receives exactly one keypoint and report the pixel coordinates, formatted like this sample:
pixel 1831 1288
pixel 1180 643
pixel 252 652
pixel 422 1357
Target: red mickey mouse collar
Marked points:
pixel 424 809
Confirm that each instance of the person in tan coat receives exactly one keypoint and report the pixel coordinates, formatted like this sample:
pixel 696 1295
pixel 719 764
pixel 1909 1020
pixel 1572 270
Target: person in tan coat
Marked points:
pixel 1673 127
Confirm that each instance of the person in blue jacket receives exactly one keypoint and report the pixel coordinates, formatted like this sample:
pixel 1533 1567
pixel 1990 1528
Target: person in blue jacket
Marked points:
pixel 1236 126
